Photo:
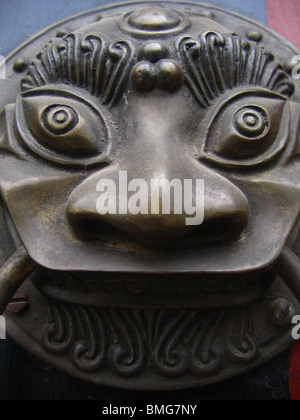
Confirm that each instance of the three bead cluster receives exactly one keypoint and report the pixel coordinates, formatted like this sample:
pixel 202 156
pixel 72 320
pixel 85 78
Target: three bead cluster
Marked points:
pixel 156 69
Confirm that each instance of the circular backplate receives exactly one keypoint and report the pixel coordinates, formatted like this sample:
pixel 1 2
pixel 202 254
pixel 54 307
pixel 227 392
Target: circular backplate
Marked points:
pixel 146 349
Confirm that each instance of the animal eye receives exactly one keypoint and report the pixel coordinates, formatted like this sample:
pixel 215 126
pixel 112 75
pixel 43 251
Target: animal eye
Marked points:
pixel 62 127
pixel 248 130
pixel 59 119
pixel 251 122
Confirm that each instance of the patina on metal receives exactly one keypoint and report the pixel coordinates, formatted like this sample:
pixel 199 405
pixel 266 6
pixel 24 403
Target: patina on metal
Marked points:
pixel 173 90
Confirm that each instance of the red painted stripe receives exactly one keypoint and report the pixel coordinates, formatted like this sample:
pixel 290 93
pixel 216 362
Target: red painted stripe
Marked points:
pixel 284 18
pixel 295 372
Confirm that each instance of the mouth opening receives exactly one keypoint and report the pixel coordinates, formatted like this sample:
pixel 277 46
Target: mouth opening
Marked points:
pixel 161 291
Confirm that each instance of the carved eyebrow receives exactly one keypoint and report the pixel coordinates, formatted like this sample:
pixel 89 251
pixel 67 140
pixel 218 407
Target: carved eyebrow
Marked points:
pixel 215 63
pixel 82 61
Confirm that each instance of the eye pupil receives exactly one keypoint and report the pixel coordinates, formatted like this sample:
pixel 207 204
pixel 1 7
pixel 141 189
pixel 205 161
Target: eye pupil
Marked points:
pixel 59 120
pixel 251 122
pixel 60 117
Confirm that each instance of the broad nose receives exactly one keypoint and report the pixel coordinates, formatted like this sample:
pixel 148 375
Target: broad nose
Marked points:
pixel 225 208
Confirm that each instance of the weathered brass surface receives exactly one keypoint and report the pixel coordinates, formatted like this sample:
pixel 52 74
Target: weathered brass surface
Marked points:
pixel 174 90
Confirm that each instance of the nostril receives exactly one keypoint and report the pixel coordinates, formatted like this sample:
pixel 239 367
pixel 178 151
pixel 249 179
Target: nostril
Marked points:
pixel 100 231
pixel 123 233
pixel 213 230
pixel 216 230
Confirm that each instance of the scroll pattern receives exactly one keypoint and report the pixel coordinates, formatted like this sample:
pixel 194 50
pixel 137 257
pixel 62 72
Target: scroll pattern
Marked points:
pixel 85 62
pixel 172 342
pixel 215 63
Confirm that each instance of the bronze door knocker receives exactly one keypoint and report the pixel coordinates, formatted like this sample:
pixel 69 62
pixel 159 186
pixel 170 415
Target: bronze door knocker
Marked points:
pixel 142 299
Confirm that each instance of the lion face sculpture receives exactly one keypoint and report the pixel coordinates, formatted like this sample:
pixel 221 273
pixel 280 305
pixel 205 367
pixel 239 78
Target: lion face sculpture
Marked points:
pixel 155 93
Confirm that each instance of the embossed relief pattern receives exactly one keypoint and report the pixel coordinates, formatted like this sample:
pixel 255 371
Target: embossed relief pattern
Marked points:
pixel 250 130
pixel 172 342
pixel 83 61
pixel 215 63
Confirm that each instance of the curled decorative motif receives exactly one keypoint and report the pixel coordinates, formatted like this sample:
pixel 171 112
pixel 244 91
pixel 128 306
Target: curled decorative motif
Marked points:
pixel 206 357
pixel 90 352
pixel 58 333
pixel 170 358
pixel 240 341
pixel 120 54
pixel 72 60
pixel 173 342
pixel 215 63
pixel 84 62
pixel 128 352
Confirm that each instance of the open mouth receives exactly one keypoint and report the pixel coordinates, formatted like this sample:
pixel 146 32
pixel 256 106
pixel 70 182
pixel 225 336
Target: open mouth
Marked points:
pixel 132 290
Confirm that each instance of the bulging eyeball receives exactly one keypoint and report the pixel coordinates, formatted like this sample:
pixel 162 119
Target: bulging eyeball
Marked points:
pixel 144 76
pixel 251 122
pixel 59 120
